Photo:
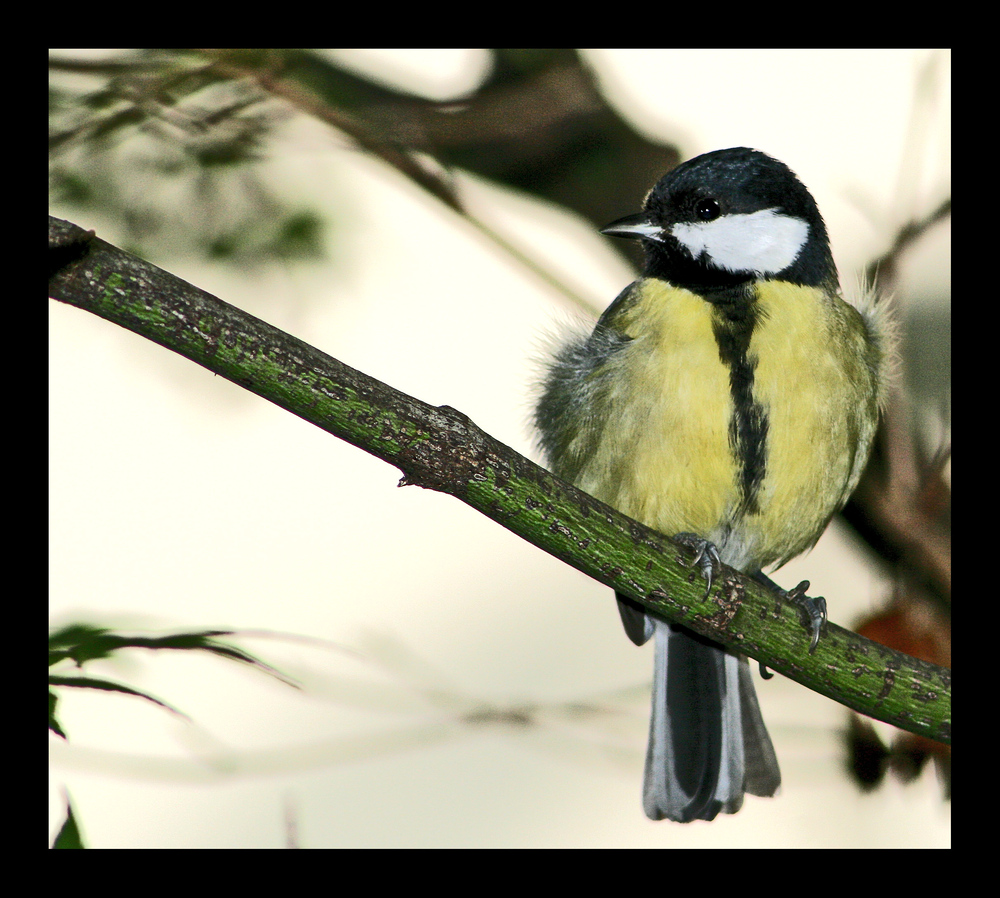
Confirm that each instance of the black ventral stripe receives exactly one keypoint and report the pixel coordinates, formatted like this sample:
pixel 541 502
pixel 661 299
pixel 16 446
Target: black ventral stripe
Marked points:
pixel 736 315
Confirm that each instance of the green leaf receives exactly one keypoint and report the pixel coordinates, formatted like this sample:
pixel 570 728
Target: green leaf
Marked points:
pixel 53 723
pixel 108 686
pixel 69 835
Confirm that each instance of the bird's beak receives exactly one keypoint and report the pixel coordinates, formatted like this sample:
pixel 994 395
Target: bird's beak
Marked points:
pixel 635 226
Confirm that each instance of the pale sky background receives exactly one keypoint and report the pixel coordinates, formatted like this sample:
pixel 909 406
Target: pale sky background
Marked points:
pixel 178 500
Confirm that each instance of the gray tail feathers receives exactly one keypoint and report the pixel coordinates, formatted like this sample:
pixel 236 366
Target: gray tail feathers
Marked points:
pixel 707 740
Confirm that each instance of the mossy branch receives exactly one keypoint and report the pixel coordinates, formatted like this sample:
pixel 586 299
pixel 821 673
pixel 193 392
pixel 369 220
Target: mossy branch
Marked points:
pixel 439 448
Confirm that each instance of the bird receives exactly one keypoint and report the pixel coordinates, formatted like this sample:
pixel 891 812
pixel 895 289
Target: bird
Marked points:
pixel 728 397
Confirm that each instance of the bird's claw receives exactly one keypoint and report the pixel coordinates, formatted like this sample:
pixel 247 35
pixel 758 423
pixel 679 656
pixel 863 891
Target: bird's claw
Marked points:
pixel 814 609
pixel 706 557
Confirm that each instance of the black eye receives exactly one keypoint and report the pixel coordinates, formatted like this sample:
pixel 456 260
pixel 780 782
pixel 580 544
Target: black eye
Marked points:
pixel 707 209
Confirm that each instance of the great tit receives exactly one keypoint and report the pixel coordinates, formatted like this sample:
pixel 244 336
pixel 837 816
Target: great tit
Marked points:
pixel 730 393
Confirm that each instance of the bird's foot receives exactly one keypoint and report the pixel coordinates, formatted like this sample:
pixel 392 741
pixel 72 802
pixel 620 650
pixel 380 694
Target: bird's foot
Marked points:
pixel 813 608
pixel 706 555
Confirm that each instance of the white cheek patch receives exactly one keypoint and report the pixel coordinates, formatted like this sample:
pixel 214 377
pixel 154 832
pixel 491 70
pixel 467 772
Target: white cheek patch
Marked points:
pixel 765 242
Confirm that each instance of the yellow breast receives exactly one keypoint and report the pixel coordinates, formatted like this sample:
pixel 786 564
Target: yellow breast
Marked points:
pixel 666 453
